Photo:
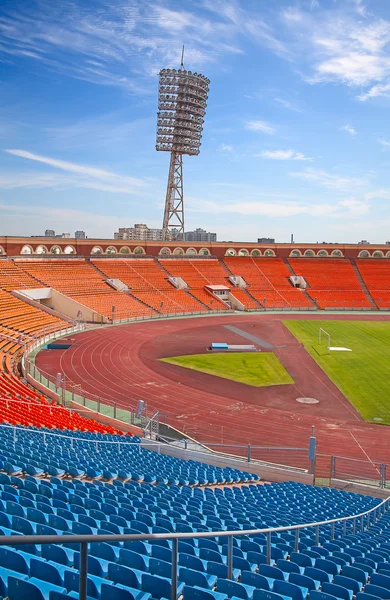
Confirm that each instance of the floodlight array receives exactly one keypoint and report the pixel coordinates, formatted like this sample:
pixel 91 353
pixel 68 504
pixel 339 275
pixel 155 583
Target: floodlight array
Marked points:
pixel 182 101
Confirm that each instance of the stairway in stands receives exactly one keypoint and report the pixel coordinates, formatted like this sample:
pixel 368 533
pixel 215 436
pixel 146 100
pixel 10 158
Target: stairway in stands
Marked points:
pixel 370 299
pixel 304 292
pixel 251 299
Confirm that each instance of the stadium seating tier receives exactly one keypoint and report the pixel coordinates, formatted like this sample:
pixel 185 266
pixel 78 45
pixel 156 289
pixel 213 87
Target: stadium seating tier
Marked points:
pixel 148 493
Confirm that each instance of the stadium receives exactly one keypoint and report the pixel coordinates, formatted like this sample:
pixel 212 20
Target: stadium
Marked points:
pixel 176 396
pixel 190 420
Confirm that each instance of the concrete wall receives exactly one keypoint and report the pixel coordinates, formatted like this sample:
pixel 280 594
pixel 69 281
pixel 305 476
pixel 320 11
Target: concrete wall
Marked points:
pixel 44 295
pixel 71 308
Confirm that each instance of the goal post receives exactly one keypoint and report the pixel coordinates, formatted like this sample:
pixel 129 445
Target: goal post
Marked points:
pixel 324 334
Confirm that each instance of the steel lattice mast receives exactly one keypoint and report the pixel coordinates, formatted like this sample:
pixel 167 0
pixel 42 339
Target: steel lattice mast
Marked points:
pixel 182 101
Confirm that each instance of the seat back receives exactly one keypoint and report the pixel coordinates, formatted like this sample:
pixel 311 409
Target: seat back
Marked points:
pixel 193 593
pixel 158 587
pixel 20 589
pixel 376 590
pixel 11 559
pixel 381 580
pixel 266 595
pixel 123 575
pixel 271 572
pixel 285 588
pixel 348 582
pixel 336 590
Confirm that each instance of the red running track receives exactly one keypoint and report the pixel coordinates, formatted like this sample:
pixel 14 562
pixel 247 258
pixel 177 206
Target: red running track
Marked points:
pixel 121 365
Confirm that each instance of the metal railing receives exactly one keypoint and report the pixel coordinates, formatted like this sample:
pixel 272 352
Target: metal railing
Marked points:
pixel 373 473
pixel 363 521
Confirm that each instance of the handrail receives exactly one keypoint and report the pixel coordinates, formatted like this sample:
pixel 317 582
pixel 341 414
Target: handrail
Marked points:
pixel 84 540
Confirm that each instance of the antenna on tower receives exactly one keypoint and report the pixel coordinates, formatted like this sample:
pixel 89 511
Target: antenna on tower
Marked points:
pixel 182 102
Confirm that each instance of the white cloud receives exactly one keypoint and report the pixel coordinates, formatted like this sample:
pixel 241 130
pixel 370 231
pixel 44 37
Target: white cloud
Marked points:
pixel 376 91
pixel 384 143
pixel 329 180
pixel 273 208
pixel 268 209
pixel 86 176
pixel 225 148
pixel 260 126
pixel 348 129
pixel 283 155
pixel 287 104
pixel 19 219
pixel 339 46
pixel 356 208
pixel 383 194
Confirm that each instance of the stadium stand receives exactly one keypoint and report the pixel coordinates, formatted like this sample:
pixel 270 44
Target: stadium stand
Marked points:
pixel 144 492
pixel 197 274
pixel 332 282
pixel 149 283
pixel 13 277
pixel 79 280
pixel 376 276
pixel 63 473
pixel 25 319
pixel 267 281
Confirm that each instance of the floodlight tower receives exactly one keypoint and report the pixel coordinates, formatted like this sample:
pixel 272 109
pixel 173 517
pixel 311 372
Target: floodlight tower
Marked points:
pixel 182 101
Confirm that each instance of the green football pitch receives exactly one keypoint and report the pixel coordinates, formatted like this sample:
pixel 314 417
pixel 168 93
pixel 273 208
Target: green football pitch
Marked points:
pixel 253 368
pixel 363 375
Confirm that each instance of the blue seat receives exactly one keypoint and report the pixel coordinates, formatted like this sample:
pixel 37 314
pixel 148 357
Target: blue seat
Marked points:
pixel 5 575
pixel 11 559
pixel 192 562
pixel 255 579
pixel 233 588
pixel 380 579
pixel 327 565
pixel 317 574
pixel 58 554
pixel 134 559
pixel 196 578
pixel 196 593
pixel 364 596
pixel 336 590
pixel 265 595
pixel 220 570
pixel 376 590
pixel 125 575
pixel 315 595
pixel 355 573
pixel 304 582
pixel 33 589
pixel 159 587
pixel 121 592
pixel 272 573
pixel 349 583
pixel 289 566
pixel 160 567
pixel 288 589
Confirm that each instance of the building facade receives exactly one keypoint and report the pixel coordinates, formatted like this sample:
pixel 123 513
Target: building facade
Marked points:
pixel 80 235
pixel 265 240
pixel 200 235
pixel 140 231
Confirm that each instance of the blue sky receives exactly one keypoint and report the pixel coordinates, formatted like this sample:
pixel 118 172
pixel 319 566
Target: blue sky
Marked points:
pixel 296 138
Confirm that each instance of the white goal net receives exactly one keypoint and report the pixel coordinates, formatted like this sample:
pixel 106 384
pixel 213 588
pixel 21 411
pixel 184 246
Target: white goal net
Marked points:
pixel 325 336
